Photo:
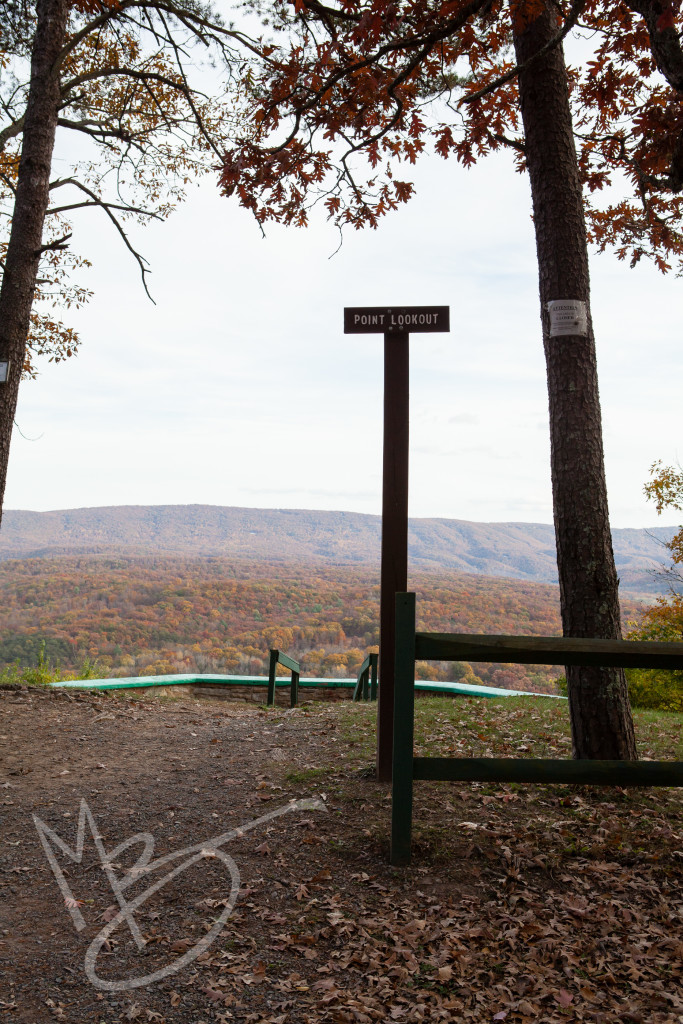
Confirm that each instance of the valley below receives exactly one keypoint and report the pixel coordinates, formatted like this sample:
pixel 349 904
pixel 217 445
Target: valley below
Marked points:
pixel 129 616
pixel 150 590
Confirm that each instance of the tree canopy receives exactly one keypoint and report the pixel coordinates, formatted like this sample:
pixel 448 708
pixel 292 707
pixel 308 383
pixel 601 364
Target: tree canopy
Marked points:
pixel 149 98
pixel 397 78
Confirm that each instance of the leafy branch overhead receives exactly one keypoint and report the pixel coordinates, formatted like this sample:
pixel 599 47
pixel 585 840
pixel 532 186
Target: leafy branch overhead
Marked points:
pixel 149 97
pixel 389 80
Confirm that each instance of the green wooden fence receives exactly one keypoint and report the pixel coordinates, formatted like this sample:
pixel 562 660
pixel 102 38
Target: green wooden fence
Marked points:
pixel 525 650
pixel 366 684
pixel 278 658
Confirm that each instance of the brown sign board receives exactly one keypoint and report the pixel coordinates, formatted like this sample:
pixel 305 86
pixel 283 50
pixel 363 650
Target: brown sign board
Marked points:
pixel 391 319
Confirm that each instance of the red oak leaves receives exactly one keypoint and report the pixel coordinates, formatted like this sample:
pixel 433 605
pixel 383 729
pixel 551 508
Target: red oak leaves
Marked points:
pixel 348 90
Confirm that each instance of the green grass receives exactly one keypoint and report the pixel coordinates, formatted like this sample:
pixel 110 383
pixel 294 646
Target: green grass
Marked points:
pixel 503 727
pixel 659 734
pixel 303 775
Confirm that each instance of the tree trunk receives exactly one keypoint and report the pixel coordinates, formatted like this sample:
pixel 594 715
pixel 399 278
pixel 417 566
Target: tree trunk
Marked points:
pixel 31 202
pixel 601 722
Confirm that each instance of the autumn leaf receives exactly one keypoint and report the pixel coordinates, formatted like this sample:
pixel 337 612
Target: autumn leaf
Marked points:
pixel 213 994
pixel 323 876
pixel 255 977
pixel 181 945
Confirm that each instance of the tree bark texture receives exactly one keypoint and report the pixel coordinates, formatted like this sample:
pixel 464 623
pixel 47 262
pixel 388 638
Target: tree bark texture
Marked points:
pixel 31 202
pixel 601 721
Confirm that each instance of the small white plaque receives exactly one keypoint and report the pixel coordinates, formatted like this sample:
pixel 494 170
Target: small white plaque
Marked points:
pixel 567 316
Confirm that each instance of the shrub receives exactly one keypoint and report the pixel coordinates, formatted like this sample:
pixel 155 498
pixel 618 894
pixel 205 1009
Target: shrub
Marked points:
pixel 45 673
pixel 658 689
pixel 655 688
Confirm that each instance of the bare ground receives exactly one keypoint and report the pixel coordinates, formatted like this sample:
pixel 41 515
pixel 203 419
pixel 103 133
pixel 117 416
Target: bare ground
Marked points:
pixel 522 904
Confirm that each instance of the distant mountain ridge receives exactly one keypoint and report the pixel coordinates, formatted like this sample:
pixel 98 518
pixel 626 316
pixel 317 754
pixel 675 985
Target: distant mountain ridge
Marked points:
pixel 515 550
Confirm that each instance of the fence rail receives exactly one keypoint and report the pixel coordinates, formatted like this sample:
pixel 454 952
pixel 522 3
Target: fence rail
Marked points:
pixel 511 650
pixel 546 650
pixel 279 658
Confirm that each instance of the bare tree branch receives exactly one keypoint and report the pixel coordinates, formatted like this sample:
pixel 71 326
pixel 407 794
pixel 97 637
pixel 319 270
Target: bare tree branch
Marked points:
pixel 107 207
pixel 12 131
pixel 55 246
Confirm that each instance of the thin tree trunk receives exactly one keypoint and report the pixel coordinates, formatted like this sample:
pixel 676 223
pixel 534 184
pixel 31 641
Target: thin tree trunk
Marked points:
pixel 31 202
pixel 602 726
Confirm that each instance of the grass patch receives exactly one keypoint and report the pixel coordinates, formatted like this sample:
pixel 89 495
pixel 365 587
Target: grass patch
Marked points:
pixel 504 727
pixel 659 734
pixel 300 776
pixel 357 725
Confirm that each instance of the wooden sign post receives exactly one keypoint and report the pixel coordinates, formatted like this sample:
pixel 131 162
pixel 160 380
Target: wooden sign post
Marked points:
pixel 397 323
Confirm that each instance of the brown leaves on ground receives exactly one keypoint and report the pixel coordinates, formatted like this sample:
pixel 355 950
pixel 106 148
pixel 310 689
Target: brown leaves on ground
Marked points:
pixel 522 905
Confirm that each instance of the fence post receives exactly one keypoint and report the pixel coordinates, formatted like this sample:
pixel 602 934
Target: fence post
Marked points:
pixel 404 715
pixel 358 690
pixel 294 690
pixel 274 655
pixel 364 688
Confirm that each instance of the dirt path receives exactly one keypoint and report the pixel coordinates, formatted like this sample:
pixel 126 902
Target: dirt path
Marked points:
pixel 517 908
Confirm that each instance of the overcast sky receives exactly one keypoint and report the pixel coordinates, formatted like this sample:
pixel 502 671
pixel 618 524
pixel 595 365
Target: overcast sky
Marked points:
pixel 239 387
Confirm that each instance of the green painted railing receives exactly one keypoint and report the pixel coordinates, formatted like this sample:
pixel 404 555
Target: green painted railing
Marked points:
pixel 211 680
pixel 206 679
pixel 278 658
pixel 366 684
pixel 526 650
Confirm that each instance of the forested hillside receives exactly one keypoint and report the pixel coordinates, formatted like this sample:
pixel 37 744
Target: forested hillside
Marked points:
pixel 161 614
pixel 519 550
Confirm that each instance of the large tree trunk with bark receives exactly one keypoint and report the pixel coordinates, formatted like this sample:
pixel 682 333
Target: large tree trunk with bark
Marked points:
pixel 31 202
pixel 602 726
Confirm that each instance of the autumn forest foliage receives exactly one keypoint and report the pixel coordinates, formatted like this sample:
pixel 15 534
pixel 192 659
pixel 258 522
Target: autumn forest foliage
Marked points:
pixel 157 615
pixel 664 619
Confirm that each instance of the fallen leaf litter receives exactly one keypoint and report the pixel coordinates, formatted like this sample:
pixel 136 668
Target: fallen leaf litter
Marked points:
pixel 522 905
